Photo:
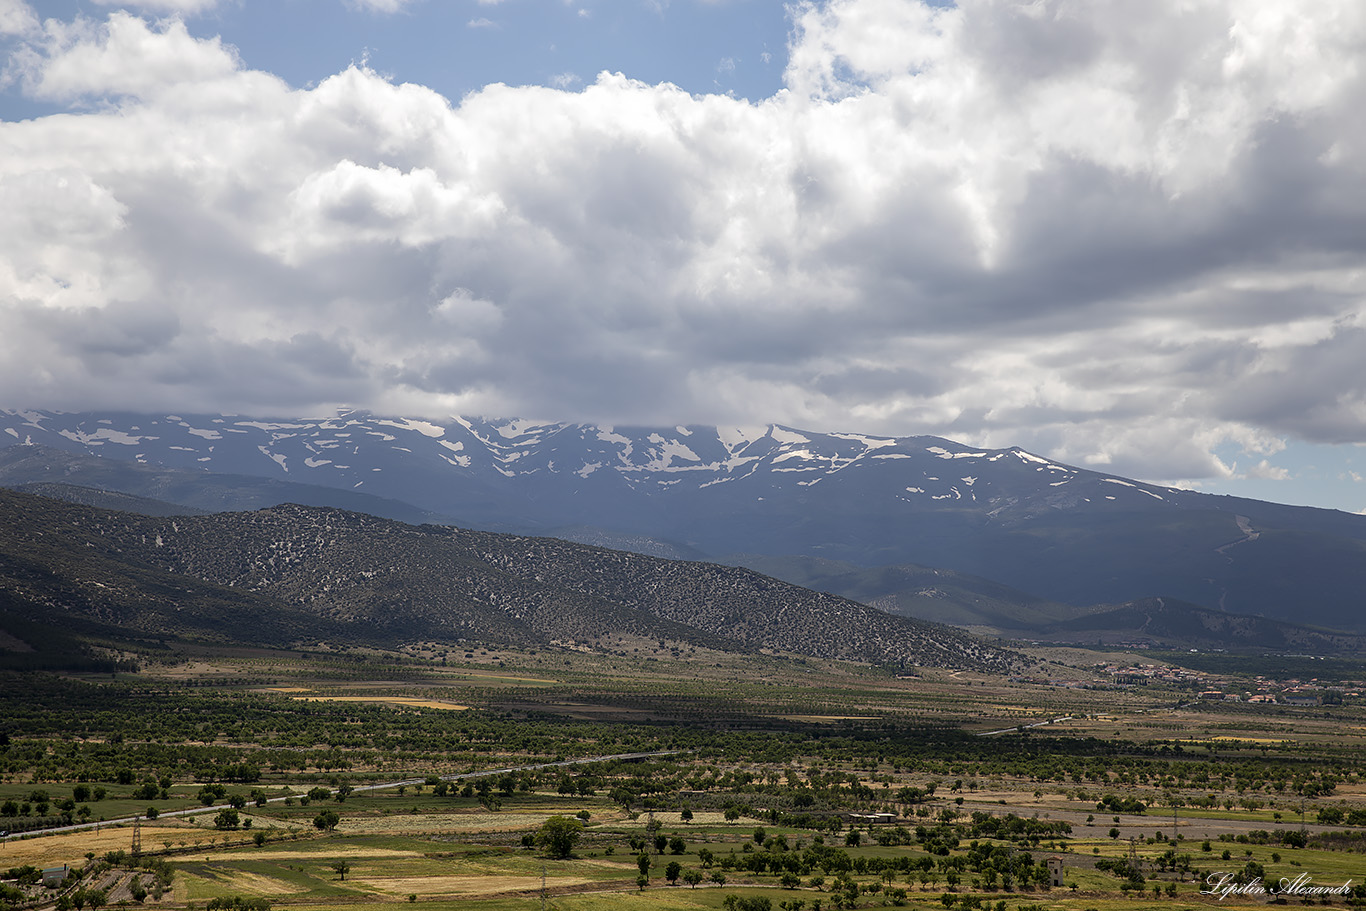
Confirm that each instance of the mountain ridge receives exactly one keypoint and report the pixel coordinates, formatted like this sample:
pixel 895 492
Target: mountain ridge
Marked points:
pixel 1064 534
pixel 317 572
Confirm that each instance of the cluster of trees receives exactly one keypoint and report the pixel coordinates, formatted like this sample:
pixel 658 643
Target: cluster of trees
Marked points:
pixel 35 810
pixel 489 791
pixel 238 903
pixel 12 896
pixel 1011 827
pixel 1114 804
pixel 1336 816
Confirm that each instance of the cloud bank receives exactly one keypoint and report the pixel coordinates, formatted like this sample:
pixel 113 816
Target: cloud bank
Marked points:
pixel 1115 233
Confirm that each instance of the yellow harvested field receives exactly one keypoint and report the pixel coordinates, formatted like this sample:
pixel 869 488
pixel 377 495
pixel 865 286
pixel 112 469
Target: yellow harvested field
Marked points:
pixel 52 850
pixel 461 885
pixel 409 701
pixel 444 822
pixel 259 884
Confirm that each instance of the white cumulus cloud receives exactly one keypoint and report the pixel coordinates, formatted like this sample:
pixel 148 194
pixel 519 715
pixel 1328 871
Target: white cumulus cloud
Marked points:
pixel 17 18
pixel 1122 234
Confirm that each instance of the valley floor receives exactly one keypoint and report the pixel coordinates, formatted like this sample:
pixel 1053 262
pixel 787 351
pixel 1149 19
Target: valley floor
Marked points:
pixel 769 795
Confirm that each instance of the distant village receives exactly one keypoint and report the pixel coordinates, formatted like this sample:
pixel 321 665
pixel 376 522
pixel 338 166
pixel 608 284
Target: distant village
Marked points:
pixel 1256 689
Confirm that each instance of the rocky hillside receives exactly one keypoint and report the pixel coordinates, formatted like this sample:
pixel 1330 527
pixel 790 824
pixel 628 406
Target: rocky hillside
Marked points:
pixel 60 570
pixel 364 578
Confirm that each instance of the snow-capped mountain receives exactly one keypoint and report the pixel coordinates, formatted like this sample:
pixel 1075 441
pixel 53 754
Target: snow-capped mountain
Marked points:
pixel 1058 531
pixel 434 465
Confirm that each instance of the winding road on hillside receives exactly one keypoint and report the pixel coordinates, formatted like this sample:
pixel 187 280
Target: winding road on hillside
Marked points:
pixel 406 782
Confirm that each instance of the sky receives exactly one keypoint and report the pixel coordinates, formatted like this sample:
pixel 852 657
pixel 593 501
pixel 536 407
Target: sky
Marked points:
pixel 1127 236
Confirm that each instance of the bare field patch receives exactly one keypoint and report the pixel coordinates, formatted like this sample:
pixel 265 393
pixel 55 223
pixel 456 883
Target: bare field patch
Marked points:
pixel 461 885
pixel 653 899
pixel 444 822
pixel 53 850
pixel 260 884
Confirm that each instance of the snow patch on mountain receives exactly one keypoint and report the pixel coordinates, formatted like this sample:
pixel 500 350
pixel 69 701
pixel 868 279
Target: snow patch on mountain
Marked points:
pixel 665 453
pixel 784 435
pixel 104 435
pixel 271 426
pixel 795 454
pixel 735 439
pixel 868 442
pixel 518 428
pixel 425 428
pixel 608 434
pixel 277 457
pixel 940 452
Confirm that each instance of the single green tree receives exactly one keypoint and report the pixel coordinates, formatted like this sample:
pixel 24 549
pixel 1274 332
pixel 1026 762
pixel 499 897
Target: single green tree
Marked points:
pixel 673 871
pixel 342 867
pixel 559 835
pixel 327 820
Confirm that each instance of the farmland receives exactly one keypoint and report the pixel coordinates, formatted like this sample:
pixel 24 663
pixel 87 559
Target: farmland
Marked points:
pixel 341 780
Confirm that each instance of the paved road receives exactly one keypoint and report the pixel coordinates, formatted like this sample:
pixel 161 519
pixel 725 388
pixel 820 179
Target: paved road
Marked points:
pixel 1037 724
pixel 407 782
